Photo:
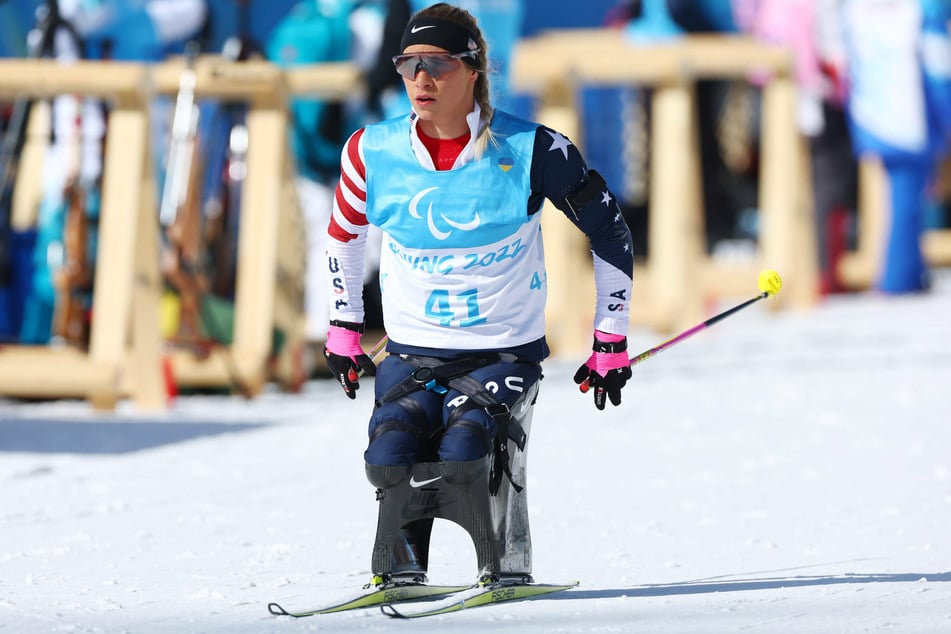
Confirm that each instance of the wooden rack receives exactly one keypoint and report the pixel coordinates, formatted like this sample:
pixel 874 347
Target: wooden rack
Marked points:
pixel 126 352
pixel 671 288
pixel 124 348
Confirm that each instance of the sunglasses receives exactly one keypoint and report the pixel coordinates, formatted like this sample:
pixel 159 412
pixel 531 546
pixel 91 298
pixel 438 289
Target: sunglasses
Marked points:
pixel 435 64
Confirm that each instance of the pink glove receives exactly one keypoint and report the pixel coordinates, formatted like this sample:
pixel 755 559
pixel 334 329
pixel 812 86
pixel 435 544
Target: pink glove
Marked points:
pixel 607 369
pixel 345 356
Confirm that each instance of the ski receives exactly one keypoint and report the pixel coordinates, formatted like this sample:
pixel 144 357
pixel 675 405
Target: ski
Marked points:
pixel 480 596
pixel 393 594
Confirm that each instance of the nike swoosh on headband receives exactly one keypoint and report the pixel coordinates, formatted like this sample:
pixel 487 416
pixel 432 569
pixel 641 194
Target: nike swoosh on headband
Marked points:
pixel 417 29
pixel 416 484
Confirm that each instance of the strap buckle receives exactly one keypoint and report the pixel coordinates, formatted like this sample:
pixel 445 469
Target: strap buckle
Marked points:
pixel 425 377
pixel 498 410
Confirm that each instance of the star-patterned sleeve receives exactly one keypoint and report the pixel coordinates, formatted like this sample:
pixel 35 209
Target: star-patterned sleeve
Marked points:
pixel 559 171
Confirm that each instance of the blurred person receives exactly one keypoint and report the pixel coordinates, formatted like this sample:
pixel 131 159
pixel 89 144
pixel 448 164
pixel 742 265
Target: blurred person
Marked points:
pixel 812 30
pixel 135 30
pixel 704 16
pixel 898 68
pixel 457 187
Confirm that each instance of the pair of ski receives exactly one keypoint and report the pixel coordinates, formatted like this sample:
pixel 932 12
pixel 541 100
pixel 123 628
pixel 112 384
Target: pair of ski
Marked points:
pixel 454 598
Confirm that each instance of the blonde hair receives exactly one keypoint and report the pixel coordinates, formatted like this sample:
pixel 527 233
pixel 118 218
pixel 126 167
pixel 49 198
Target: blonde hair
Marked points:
pixel 480 63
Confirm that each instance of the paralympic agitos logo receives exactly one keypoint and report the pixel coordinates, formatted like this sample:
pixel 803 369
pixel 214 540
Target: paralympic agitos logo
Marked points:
pixel 436 232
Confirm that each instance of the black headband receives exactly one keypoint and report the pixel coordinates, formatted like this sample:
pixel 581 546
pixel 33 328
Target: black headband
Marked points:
pixel 442 33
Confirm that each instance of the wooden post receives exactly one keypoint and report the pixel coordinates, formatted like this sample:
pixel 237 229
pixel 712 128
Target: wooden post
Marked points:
pixel 146 378
pixel 122 225
pixel 291 273
pixel 936 245
pixel 787 225
pixel 675 238
pixel 859 269
pixel 257 250
pixel 29 183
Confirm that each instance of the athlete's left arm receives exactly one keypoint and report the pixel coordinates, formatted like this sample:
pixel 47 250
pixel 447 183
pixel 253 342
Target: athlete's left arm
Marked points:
pixel 560 174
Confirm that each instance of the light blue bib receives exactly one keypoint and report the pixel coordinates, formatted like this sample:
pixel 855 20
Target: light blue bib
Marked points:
pixel 462 263
pixel 476 204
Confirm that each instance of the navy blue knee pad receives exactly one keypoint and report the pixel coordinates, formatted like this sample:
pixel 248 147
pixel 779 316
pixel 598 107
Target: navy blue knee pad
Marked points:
pixel 468 436
pixel 424 426
pixel 400 430
pixel 469 428
pixel 400 433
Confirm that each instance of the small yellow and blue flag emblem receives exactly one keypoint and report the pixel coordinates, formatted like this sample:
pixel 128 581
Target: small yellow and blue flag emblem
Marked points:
pixel 506 163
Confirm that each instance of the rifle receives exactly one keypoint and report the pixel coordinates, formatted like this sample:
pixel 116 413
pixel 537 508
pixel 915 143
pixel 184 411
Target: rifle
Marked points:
pixel 73 280
pixel 230 158
pixel 223 219
pixel 180 209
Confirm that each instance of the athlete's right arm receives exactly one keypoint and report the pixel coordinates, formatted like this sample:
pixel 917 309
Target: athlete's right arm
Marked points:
pixel 347 234
pixel 346 243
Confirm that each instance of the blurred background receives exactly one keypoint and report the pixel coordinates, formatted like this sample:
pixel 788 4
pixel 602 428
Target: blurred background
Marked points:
pixel 18 16
pixel 806 136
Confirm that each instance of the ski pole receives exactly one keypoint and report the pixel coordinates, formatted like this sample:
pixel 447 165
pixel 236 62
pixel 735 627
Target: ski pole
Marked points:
pixel 769 283
pixel 373 354
pixel 378 348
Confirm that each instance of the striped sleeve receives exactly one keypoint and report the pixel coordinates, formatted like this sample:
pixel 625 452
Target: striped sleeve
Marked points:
pixel 347 233
pixel 349 217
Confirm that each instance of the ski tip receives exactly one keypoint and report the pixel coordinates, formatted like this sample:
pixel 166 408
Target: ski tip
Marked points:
pixel 277 610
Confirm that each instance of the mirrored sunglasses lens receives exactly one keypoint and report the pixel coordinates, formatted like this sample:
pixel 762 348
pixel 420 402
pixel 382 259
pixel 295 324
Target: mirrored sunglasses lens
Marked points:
pixel 406 65
pixel 434 65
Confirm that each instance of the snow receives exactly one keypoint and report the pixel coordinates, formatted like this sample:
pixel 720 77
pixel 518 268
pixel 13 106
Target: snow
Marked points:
pixel 784 471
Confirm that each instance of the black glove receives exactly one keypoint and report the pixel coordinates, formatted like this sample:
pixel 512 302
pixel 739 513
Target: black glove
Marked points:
pixel 607 369
pixel 345 356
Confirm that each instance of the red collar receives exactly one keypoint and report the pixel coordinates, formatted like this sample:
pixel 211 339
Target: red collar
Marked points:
pixel 444 152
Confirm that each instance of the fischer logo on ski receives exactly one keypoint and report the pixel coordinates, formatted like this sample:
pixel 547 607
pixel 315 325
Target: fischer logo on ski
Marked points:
pixel 482 595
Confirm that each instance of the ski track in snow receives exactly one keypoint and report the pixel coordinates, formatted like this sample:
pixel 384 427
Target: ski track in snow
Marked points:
pixel 784 471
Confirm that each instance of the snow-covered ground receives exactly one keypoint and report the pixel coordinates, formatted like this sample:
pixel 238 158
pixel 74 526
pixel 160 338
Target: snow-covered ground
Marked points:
pixel 781 472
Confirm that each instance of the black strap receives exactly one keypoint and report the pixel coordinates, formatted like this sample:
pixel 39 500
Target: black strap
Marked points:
pixel 505 428
pixel 592 186
pixel 609 346
pixel 437 374
pixel 396 425
pixel 433 374
pixel 354 326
